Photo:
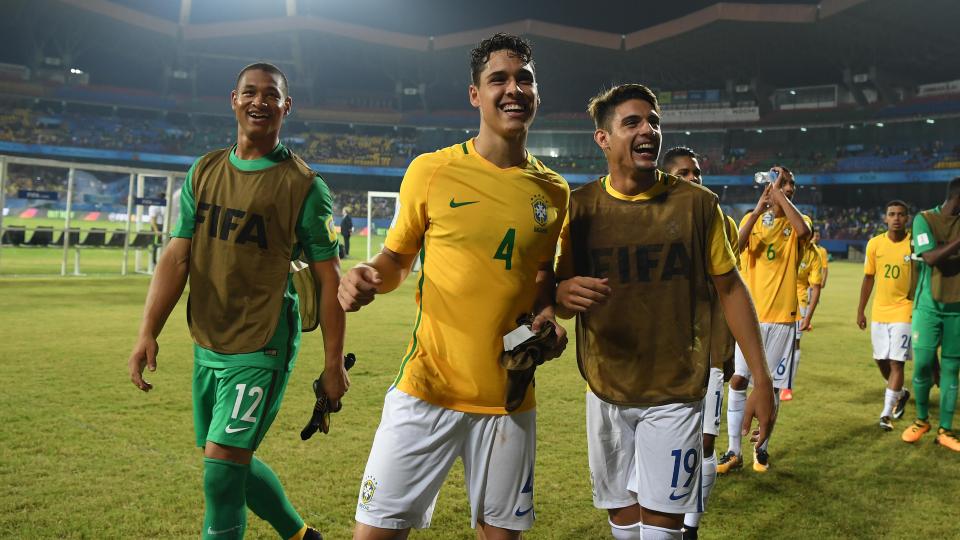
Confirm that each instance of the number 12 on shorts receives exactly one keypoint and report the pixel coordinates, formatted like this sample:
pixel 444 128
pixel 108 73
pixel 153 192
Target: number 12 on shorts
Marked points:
pixel 255 391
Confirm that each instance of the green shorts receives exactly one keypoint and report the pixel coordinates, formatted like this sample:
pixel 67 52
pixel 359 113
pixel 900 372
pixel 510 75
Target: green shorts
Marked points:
pixel 235 406
pixel 929 328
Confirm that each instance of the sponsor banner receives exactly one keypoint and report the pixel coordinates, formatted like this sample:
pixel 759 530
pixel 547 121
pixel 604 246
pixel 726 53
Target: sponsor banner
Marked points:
pixel 940 88
pixel 150 201
pixel 712 115
pixel 38 195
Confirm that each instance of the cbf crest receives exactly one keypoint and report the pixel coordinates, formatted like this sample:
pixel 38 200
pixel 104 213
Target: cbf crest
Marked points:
pixel 543 214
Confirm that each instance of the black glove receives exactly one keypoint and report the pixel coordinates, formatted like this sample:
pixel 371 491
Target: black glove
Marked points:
pixel 521 362
pixel 320 420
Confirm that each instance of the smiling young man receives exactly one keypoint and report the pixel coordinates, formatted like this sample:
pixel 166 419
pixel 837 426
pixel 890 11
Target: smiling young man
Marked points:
pixel 245 213
pixel 638 256
pixel 889 255
pixel 484 217
pixel 771 241
pixel 685 163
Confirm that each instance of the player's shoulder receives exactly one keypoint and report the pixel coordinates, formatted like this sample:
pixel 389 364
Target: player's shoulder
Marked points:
pixel 546 174
pixel 439 158
pixel 426 165
pixel 587 190
pixel 211 156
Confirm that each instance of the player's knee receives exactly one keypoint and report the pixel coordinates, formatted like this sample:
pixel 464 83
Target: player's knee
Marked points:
pixel 625 516
pixel 708 444
pixel 738 382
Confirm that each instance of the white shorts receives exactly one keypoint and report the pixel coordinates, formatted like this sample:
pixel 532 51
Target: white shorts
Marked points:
pixel 891 341
pixel 778 344
pixel 417 443
pixel 713 402
pixel 646 455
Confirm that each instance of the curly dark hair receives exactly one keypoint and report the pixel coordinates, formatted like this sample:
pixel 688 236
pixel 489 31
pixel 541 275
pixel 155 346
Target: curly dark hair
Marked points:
pixel 498 42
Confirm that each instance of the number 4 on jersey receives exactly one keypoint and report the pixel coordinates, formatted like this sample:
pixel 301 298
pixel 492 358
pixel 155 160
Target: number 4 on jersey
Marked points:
pixel 505 251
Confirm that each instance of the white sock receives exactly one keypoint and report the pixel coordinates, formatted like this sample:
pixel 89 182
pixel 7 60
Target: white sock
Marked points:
pixel 735 402
pixel 626 532
pixel 708 471
pixel 890 399
pixel 776 410
pixel 659 533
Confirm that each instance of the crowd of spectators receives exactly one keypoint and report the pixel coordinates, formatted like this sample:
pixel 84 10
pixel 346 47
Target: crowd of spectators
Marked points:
pixel 838 223
pixel 356 204
pixel 24 121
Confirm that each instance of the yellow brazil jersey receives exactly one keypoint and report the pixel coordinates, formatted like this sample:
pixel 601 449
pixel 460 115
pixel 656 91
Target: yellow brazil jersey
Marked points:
pixel 770 262
pixel 733 235
pixel 889 262
pixel 484 233
pixel 721 260
pixel 824 256
pixel 809 273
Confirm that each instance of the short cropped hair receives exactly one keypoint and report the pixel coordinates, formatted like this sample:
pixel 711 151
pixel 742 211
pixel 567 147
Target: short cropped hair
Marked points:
pixel 898 202
pixel 269 68
pixel 953 188
pixel 500 41
pixel 602 105
pixel 678 151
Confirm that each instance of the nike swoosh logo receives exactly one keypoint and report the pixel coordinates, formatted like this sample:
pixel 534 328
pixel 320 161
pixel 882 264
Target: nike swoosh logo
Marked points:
pixel 521 513
pixel 455 204
pixel 675 497
pixel 235 430
pixel 213 532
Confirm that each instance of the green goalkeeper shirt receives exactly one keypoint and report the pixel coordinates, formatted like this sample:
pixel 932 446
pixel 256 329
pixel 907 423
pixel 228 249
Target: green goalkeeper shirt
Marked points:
pixel 923 241
pixel 316 241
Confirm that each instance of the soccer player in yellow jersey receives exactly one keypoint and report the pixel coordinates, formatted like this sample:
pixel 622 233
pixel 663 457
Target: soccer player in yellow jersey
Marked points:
pixel 889 256
pixel 484 216
pixel 824 260
pixel 685 163
pixel 637 257
pixel 771 239
pixel 809 284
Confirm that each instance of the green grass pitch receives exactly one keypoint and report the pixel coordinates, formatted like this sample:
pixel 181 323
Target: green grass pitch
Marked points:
pixel 86 455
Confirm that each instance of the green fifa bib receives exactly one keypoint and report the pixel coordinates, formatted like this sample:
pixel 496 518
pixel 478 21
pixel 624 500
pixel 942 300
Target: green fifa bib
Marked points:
pixel 240 254
pixel 650 342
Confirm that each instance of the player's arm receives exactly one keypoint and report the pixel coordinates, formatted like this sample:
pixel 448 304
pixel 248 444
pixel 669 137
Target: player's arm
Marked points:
pixel 812 306
pixel 326 274
pixel 742 320
pixel 743 236
pixel 544 308
pixel 575 294
pixel 380 275
pixel 387 269
pixel 938 256
pixel 826 271
pixel 865 289
pixel 166 287
pixel 789 210
pixel 869 270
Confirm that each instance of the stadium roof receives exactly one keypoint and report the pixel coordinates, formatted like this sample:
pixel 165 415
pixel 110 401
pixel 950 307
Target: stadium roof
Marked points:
pixel 380 45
